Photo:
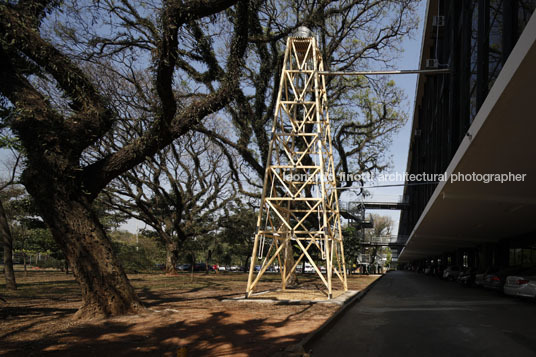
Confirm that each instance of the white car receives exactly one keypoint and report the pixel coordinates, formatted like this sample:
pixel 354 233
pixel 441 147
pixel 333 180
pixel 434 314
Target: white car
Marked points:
pixel 521 284
pixel 309 268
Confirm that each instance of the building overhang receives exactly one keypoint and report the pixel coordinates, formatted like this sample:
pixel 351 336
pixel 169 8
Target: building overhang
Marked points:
pixel 501 140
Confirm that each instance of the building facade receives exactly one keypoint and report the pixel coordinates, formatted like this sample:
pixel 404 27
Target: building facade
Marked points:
pixel 474 121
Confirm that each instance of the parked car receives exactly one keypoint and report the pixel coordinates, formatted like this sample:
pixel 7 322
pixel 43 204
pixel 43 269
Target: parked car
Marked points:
pixel 272 269
pixel 522 283
pixel 495 280
pixel 480 276
pixel 308 268
pixel 451 273
pixel 236 268
pixel 467 277
pixel 202 267
pixel 184 267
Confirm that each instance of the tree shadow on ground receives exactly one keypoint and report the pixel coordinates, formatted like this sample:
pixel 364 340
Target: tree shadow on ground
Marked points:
pixel 14 311
pixel 175 319
pixel 151 298
pixel 32 316
pixel 45 283
pixel 214 336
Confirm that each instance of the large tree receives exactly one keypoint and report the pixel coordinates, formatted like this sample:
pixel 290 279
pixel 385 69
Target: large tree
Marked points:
pixel 59 46
pixel 7 189
pixel 178 193
pixel 238 229
pixel 7 244
pixel 383 226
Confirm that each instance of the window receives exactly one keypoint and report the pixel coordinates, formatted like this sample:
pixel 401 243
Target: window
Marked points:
pixel 527 258
pixel 518 253
pixel 495 40
pixel 474 61
pixel 522 256
pixel 512 257
pixel 525 8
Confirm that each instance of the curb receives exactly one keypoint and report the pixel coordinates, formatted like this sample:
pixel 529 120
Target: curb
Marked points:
pixel 331 321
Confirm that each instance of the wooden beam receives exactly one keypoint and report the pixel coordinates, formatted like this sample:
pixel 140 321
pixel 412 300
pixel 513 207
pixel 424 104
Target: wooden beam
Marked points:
pixel 300 133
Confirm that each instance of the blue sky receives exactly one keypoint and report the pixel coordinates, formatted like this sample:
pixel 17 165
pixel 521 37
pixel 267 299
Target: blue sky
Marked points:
pixel 400 146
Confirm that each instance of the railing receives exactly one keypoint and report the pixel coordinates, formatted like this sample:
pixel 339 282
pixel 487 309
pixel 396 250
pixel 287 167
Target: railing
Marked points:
pixel 387 240
pixel 353 206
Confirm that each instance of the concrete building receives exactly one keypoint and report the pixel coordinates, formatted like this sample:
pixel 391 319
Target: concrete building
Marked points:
pixel 477 127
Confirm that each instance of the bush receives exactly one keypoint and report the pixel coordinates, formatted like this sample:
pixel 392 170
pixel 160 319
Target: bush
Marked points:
pixel 50 262
pixel 133 260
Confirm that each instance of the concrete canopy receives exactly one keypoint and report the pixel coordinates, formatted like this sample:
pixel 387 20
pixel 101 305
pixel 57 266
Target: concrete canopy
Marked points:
pixel 501 140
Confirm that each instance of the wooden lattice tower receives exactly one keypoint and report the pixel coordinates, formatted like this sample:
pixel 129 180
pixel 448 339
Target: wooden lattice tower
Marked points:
pixel 299 204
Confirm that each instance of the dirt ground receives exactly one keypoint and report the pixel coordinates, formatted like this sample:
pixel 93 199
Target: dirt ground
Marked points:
pixel 183 311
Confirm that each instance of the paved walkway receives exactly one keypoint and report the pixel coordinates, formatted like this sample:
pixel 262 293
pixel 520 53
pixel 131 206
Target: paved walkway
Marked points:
pixel 410 314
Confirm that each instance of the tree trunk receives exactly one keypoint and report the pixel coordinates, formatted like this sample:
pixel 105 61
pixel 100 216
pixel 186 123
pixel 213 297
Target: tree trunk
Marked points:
pixel 209 256
pixel 246 265
pixel 24 263
pixel 192 258
pixel 106 290
pixel 7 242
pixel 172 256
pixel 289 263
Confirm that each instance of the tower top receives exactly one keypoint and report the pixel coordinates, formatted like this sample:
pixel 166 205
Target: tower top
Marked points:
pixel 302 32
